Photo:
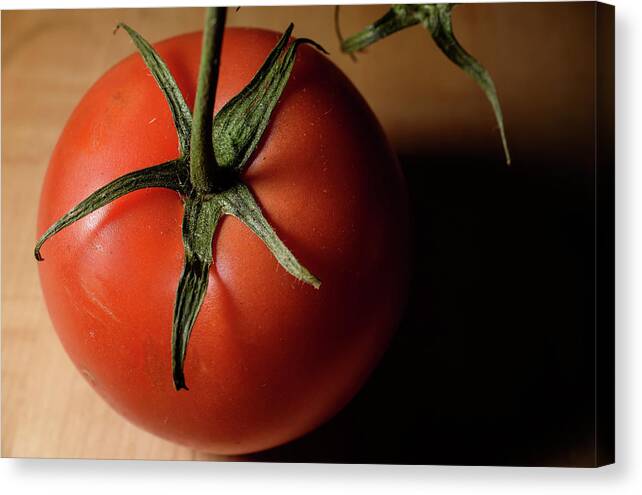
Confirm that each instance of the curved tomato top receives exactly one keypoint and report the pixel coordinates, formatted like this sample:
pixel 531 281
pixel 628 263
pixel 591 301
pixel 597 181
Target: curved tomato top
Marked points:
pixel 270 358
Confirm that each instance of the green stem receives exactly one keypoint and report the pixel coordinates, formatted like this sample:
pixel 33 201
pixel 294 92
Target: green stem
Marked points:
pixel 239 202
pixel 397 18
pixel 439 24
pixel 437 19
pixel 202 161
pixel 200 219
pixel 167 175
pixel 180 111
pixel 208 174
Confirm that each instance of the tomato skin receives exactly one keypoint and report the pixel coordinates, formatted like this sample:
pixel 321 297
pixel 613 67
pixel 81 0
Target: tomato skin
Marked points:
pixel 270 358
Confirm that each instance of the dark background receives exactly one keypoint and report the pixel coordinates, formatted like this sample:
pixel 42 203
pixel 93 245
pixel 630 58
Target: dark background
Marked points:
pixel 494 362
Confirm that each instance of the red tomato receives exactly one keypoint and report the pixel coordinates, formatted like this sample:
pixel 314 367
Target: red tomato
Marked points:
pixel 270 358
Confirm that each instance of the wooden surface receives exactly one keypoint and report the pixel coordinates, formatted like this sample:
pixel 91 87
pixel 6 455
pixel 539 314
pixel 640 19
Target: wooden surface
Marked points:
pixel 50 58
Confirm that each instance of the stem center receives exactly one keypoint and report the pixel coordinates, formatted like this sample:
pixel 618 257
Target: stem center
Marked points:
pixel 204 170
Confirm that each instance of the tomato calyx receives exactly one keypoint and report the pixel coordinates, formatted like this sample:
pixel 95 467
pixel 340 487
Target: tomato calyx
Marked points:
pixel 214 152
pixel 437 19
